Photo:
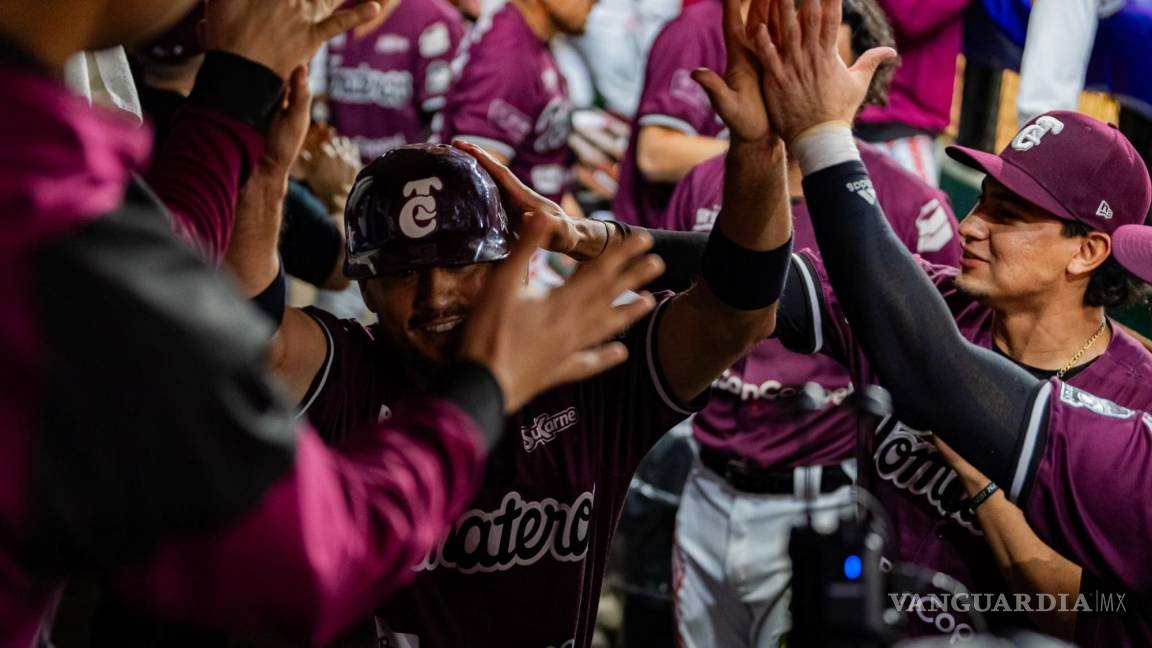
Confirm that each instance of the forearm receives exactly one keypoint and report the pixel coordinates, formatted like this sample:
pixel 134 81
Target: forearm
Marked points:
pixel 1029 565
pixel 666 155
pixel 215 143
pixel 252 251
pixel 975 400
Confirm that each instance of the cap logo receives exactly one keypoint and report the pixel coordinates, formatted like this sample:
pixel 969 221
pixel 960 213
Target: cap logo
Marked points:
pixel 418 216
pixel 1104 210
pixel 1031 135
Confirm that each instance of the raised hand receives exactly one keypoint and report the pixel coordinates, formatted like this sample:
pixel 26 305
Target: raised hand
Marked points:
pixel 280 34
pixel 736 96
pixel 805 82
pixel 566 234
pixel 533 341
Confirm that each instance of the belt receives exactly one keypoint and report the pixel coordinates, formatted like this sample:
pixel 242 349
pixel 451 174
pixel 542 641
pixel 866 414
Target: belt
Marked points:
pixel 750 478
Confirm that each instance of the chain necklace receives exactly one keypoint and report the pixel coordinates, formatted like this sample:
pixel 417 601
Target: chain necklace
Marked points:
pixel 1083 349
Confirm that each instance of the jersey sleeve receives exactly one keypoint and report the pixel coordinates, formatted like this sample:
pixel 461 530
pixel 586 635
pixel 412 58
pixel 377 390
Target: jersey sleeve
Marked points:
pixel 637 399
pixel 436 46
pixel 1082 480
pixel 492 105
pixel 695 202
pixel 670 97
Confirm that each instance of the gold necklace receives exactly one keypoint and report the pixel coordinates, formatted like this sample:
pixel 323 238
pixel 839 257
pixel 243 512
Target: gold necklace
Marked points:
pixel 1083 349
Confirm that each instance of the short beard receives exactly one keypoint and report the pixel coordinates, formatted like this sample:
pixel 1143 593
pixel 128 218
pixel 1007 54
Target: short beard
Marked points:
pixel 959 284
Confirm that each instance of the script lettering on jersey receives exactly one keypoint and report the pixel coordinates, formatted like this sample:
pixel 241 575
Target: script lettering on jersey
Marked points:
pixel 908 459
pixel 772 389
pixel 418 216
pixel 364 85
pixel 517 534
pixel 545 427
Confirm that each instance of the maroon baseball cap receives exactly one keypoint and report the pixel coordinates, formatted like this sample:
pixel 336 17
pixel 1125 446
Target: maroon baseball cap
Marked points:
pixel 1072 166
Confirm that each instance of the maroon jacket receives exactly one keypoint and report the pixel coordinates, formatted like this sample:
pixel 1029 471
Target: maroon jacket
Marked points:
pixel 138 436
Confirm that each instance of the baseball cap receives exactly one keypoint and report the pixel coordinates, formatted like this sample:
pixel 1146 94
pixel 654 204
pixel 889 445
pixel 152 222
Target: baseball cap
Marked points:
pixel 1072 166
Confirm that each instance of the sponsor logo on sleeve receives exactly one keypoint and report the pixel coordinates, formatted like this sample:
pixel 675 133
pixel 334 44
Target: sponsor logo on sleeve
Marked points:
pixel 435 41
pixel 554 125
pixel 418 215
pixel 509 119
pixel 863 188
pixel 545 427
pixel 1033 135
pixel 933 228
pixel 519 533
pixel 683 88
pixel 1074 397
pixel 706 218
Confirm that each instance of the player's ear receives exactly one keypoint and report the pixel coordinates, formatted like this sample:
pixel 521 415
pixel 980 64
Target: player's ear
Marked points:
pixel 1095 248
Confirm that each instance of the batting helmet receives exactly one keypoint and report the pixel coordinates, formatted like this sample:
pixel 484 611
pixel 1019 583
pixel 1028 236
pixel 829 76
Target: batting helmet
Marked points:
pixel 423 205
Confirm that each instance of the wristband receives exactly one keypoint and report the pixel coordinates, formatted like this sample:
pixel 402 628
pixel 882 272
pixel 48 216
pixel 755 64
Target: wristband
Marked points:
pixel 744 279
pixel 272 299
pixel 979 498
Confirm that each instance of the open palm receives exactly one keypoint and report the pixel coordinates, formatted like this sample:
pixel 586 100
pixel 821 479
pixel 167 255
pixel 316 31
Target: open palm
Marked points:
pixel 736 96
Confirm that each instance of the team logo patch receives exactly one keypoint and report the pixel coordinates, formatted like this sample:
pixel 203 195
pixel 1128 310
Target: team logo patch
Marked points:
pixel 1033 134
pixel 1079 398
pixel 509 119
pixel 418 216
pixel 545 427
pixel 391 44
pixel 706 219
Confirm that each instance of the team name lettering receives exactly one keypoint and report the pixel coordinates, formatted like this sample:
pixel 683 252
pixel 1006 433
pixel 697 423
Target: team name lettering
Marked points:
pixel 364 85
pixel 908 459
pixel 545 427
pixel 518 534
pixel 772 389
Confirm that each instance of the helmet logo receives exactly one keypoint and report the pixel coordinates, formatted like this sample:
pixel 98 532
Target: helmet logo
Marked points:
pixel 1033 134
pixel 418 216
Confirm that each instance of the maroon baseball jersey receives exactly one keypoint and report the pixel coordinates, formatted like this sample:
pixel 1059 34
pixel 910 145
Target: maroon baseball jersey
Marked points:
pixel 673 100
pixel 384 86
pixel 917 487
pixel 754 411
pixel 1075 483
pixel 523 566
pixel 508 96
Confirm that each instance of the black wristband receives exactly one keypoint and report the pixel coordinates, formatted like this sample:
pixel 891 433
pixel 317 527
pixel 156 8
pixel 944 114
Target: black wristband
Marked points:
pixel 271 301
pixel 238 88
pixel 976 500
pixel 475 390
pixel 741 278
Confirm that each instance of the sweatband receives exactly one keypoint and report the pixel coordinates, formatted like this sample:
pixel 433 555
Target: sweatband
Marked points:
pixel 271 301
pixel 744 279
pixel 824 146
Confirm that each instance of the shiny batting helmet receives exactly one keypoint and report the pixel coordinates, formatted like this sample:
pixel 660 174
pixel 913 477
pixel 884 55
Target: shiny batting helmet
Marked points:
pixel 423 205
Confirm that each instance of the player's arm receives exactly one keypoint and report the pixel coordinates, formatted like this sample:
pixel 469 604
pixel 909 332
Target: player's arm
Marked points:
pixel 1028 563
pixel 975 400
pixel 666 154
pixel 733 305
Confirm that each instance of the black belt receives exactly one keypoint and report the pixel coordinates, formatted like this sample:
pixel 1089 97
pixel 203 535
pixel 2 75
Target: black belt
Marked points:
pixel 750 478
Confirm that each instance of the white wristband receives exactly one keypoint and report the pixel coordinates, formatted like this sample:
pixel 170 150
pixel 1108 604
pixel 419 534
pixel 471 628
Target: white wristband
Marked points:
pixel 824 146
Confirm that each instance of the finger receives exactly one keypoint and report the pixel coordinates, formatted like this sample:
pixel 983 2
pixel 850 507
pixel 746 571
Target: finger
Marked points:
pixel 594 279
pixel 585 364
pixel 299 94
pixel 733 31
pixel 769 57
pixel 346 19
pixel 621 317
pixel 758 14
pixel 865 67
pixel 638 274
pixel 508 277
pixel 832 13
pixel 789 40
pixel 719 95
pixel 502 175
pixel 811 23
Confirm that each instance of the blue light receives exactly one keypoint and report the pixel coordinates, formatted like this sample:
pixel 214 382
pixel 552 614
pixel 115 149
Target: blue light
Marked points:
pixel 853 567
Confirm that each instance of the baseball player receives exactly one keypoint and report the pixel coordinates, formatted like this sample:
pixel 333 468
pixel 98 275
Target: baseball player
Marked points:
pixel 523 566
pixel 1071 460
pixel 140 439
pixel 675 127
pixel 755 442
pixel 508 95
pixel 386 79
